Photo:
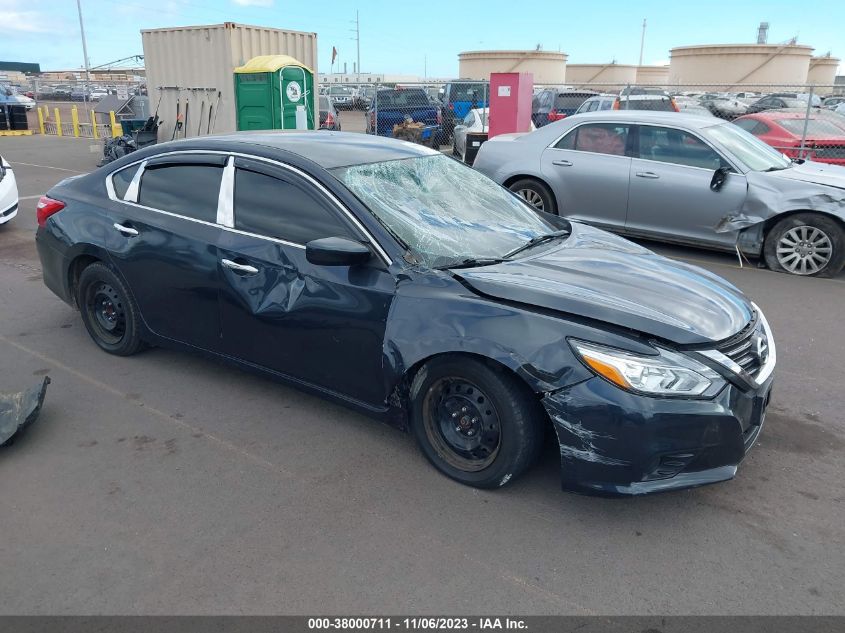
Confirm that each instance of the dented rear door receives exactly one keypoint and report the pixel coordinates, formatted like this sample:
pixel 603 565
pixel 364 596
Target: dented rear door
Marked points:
pixel 320 324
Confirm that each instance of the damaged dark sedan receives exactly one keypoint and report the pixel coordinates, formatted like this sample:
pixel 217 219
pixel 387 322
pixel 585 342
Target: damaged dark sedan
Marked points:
pixel 393 279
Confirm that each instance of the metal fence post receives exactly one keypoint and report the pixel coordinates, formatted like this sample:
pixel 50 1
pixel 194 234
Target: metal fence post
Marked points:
pixel 94 133
pixel 485 105
pixel 801 151
pixel 375 111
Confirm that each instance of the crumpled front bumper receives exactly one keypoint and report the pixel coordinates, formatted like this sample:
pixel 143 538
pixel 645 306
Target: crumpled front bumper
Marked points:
pixel 614 442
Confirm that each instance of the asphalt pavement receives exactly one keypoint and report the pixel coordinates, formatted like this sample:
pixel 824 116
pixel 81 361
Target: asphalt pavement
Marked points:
pixel 166 483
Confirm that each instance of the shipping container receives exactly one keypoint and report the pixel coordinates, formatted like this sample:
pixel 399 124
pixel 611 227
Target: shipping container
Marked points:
pixel 187 67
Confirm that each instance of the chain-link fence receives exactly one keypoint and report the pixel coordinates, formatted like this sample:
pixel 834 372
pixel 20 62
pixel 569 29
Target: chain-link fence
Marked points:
pixel 801 121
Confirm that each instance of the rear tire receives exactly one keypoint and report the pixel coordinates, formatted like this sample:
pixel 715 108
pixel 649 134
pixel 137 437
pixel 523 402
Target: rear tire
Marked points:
pixel 535 193
pixel 477 425
pixel 806 244
pixel 109 312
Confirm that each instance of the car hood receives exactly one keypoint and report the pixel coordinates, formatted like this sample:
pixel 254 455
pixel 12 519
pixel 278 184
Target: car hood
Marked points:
pixel 596 275
pixel 816 173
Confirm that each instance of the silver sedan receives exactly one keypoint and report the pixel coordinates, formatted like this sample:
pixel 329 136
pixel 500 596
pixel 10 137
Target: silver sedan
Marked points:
pixel 679 178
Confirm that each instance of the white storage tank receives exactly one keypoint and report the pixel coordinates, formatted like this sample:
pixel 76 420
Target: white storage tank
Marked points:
pixel 614 75
pixel 750 65
pixel 200 61
pixel 823 71
pixel 548 67
pixel 653 75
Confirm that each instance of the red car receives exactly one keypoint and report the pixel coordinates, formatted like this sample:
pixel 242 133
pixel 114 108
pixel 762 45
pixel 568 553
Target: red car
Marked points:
pixel 783 130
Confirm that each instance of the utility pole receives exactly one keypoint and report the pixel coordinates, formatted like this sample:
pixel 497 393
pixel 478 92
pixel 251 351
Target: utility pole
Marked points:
pixel 358 45
pixel 84 49
pixel 642 43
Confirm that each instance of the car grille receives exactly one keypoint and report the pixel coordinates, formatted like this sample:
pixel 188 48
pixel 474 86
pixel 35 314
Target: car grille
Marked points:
pixel 830 151
pixel 749 349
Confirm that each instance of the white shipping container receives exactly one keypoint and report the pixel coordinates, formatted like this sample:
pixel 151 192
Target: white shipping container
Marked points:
pixel 200 61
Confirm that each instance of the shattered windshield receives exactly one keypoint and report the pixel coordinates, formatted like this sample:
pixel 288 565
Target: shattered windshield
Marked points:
pixel 444 211
pixel 754 153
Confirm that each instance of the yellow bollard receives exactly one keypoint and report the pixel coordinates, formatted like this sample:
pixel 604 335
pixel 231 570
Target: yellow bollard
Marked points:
pixel 74 117
pixel 94 131
pixel 40 120
pixel 116 129
pixel 58 121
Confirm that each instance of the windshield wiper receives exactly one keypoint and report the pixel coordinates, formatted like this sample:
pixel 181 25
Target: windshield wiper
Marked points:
pixel 534 241
pixel 472 263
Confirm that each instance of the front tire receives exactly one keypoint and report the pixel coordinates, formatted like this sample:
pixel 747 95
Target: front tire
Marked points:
pixel 806 244
pixel 535 193
pixel 108 311
pixel 477 425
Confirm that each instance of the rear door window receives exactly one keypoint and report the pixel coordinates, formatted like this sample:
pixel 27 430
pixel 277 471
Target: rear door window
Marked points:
pixel 271 203
pixel 597 138
pixel 189 190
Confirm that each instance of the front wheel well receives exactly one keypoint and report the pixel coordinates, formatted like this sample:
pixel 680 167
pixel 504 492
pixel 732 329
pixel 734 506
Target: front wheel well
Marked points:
pixel 769 224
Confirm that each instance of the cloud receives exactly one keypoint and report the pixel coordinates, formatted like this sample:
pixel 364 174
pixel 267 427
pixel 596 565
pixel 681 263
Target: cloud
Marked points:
pixel 23 22
pixel 254 3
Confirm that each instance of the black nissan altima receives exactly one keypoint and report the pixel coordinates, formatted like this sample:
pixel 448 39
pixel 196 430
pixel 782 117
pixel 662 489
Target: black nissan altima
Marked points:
pixel 395 280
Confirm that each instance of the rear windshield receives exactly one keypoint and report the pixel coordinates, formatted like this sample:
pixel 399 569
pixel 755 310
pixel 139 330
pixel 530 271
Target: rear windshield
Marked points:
pixel 570 101
pixel 401 98
pixel 656 104
pixel 815 127
pixel 466 92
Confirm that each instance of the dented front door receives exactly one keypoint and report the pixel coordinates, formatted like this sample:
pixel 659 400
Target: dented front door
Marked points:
pixel 320 324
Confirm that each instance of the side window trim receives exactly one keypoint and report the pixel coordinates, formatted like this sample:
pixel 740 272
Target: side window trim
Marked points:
pixel 226 199
pixel 135 185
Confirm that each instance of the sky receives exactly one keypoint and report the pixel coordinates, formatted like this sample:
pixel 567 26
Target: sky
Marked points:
pixel 412 37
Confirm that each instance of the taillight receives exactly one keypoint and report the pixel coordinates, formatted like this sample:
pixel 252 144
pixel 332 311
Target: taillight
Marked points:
pixel 616 103
pixel 554 115
pixel 47 207
pixel 452 107
pixel 674 105
pixel 329 120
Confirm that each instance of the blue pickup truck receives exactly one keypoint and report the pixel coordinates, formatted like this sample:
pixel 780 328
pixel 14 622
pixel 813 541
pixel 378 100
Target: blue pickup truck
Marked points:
pixel 391 107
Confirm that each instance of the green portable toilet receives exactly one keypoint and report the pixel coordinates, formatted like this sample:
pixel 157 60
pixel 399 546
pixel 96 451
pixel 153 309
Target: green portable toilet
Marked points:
pixel 269 89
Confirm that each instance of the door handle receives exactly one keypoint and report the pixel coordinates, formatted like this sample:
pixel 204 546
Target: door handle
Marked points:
pixel 239 268
pixel 647 174
pixel 126 230
pixel 562 163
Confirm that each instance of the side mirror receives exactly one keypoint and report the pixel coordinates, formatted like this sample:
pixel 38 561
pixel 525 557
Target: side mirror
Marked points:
pixel 336 251
pixel 719 178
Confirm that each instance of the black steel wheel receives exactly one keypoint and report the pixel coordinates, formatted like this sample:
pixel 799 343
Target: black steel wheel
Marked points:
pixel 477 424
pixel 108 311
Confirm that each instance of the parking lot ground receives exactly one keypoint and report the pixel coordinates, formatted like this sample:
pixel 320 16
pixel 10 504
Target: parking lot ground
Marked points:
pixel 168 483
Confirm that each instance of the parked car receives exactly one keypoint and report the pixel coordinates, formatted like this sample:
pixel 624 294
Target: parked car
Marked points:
pixel 552 105
pixel 7 97
pixel 772 102
pixel 645 98
pixel 825 141
pixel 598 103
pixel 679 178
pixel 342 97
pixel 727 108
pixel 399 282
pixel 391 107
pixel 474 121
pixel 840 109
pixel 830 103
pixel 689 105
pixel 364 97
pixel 8 192
pixel 458 98
pixel 329 119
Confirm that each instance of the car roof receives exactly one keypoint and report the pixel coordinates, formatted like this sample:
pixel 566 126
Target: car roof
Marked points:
pixel 647 116
pixel 327 149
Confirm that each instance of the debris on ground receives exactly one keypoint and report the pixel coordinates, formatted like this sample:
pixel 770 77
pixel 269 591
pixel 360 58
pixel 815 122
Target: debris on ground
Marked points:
pixel 19 410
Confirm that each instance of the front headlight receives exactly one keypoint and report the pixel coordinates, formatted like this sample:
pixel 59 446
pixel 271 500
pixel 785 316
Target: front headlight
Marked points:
pixel 666 374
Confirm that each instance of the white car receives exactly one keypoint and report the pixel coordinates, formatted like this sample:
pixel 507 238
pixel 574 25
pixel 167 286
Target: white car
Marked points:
pixel 840 109
pixel 474 121
pixel 8 192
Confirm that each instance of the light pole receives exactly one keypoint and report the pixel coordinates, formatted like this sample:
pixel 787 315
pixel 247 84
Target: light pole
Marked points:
pixel 84 51
pixel 642 43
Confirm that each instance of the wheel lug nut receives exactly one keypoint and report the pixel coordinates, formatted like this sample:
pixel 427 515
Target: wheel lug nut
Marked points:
pixel 458 428
pixel 454 415
pixel 463 409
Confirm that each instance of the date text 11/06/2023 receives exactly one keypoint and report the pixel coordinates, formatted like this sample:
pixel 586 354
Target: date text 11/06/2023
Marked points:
pixel 418 623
